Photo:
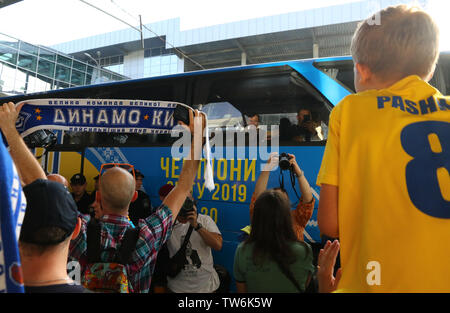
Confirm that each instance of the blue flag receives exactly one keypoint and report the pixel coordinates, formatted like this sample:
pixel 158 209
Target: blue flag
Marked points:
pixel 12 211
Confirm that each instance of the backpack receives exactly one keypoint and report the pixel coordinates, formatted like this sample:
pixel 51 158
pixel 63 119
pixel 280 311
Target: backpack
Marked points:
pixel 177 262
pixel 108 277
pixel 224 278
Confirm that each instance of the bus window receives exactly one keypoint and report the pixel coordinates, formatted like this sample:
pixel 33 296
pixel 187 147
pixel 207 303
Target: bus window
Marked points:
pixel 276 94
pixel 441 77
pixel 340 70
pixel 75 140
pixel 222 114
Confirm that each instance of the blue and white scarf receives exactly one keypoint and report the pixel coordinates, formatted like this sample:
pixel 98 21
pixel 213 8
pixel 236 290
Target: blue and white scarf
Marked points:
pixel 86 115
pixel 12 210
pixel 105 115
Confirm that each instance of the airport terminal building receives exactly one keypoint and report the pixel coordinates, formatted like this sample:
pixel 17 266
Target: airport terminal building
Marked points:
pixel 165 49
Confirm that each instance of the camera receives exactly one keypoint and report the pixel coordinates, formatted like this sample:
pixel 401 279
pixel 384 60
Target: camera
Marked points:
pixel 41 138
pixel 283 163
pixel 307 118
pixel 188 206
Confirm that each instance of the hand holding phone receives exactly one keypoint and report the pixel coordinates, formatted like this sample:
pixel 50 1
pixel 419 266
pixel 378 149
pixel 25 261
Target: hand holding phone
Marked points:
pixel 181 114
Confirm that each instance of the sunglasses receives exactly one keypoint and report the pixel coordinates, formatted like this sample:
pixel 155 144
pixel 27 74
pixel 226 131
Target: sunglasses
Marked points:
pixel 106 166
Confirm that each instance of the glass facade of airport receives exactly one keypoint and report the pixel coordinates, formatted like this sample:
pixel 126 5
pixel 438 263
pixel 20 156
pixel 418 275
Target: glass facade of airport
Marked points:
pixel 160 61
pixel 26 68
pixel 114 64
pixel 157 61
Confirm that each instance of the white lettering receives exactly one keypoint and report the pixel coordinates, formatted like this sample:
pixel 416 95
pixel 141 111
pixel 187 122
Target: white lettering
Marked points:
pixel 74 271
pixel 118 119
pixel 374 276
pixel 157 117
pixel 136 114
pixel 373 8
pixel 189 303
pixel 59 116
pixel 75 115
pixel 168 119
pixel 247 302
pixel 89 115
pixel 264 154
pixel 102 117
pixel 184 142
pixel 216 144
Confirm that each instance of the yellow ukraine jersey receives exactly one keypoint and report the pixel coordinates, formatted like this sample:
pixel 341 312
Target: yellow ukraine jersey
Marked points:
pixel 388 151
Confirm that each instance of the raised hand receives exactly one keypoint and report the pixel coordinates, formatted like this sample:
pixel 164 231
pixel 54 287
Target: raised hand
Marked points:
pixel 325 267
pixel 272 162
pixel 8 116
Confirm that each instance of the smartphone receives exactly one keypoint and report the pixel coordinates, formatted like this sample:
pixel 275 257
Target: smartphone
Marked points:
pixel 181 113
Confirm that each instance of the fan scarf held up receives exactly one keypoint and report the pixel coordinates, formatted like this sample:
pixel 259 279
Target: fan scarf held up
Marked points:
pixel 107 115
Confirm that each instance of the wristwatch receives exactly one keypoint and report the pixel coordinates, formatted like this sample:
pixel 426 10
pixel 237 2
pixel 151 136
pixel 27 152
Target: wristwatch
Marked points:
pixel 198 226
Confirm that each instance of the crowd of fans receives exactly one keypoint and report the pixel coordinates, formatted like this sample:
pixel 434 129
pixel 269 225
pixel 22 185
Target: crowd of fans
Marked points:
pixel 117 225
pixel 121 241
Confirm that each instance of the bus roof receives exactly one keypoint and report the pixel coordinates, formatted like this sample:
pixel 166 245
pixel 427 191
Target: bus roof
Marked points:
pixel 79 89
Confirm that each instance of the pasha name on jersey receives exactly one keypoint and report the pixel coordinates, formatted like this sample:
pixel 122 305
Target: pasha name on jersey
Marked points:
pixel 425 106
pixel 114 117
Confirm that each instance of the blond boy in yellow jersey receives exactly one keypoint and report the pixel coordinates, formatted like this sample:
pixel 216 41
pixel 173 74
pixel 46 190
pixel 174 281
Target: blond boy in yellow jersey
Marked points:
pixel 385 186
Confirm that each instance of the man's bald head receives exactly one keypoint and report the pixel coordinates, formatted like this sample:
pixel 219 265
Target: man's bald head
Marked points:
pixel 59 179
pixel 117 188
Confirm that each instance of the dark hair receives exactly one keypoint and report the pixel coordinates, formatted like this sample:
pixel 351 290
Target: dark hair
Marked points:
pixel 50 235
pixel 272 230
pixel 253 114
pixel 302 107
pixel 45 239
pixel 281 188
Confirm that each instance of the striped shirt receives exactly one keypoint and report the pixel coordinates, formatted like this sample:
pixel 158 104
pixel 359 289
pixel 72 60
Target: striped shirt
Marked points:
pixel 154 231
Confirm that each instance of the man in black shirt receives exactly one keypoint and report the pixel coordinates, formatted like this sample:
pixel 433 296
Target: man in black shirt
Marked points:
pixel 142 207
pixel 79 194
pixel 50 222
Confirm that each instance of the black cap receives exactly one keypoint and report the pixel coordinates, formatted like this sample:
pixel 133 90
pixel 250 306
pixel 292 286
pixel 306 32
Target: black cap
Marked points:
pixel 138 173
pixel 49 204
pixel 78 179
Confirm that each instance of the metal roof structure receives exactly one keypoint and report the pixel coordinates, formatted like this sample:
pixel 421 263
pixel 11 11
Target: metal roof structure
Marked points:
pixel 287 45
pixel 318 32
pixel 4 3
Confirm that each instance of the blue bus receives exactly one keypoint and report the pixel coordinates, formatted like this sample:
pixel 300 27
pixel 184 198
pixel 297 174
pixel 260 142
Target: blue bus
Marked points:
pixel 229 96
